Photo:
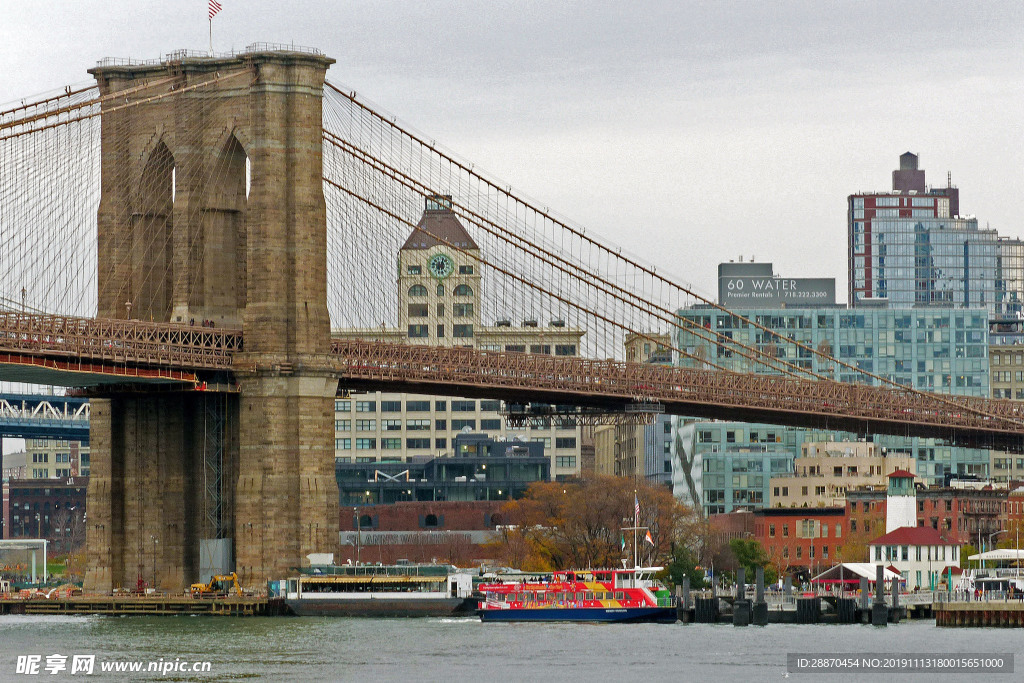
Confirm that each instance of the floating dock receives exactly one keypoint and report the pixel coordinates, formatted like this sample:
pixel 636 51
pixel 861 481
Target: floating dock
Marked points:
pixel 119 605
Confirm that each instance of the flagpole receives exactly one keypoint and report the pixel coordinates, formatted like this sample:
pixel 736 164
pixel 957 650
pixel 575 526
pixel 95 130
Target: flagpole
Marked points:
pixel 636 526
pixel 211 36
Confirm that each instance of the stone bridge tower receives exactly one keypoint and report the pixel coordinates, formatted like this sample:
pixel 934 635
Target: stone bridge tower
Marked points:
pixel 212 213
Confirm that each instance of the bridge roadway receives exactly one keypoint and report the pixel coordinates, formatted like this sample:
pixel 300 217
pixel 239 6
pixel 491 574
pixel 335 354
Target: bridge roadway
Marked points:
pixel 81 352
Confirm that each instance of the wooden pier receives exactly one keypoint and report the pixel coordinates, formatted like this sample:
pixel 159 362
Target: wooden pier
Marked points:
pixel 146 605
pixel 985 613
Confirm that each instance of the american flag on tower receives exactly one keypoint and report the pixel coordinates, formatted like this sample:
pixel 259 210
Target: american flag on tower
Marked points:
pixel 636 510
pixel 214 8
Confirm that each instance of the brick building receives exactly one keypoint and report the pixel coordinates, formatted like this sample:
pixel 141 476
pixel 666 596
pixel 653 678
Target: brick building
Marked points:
pixel 454 532
pixel 801 541
pixel 53 509
pixel 962 515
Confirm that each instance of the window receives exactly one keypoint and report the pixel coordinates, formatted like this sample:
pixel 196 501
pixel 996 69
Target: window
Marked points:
pixel 366 406
pixel 342 406
pixel 418 331
pixel 342 444
pixel 490 406
pixel 417 310
pixel 390 406
pixel 417 406
pixel 565 349
pixel 462 310
pixel 839 530
pixel 541 348
pixel 440 405
pixel 463 406
pixel 440 425
pixel 440 289
pixel 391 444
pixel 518 348
pixel 465 270
pixel 785 531
pixel 417 425
pixel 366 425
pixel 417 290
pixel 440 443
pixel 462 331
pixel 565 442
pixel 417 443
pixel 391 425
pixel 342 425
pixel 459 425
pixel 463 290
pixel 565 461
pixel 440 332
pixel 366 444
pixel 771 531
pixel 440 310
pixel 490 425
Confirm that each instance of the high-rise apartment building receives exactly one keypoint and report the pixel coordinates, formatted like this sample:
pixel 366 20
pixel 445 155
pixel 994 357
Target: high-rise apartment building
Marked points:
pixel 911 247
pixel 440 280
pixel 933 349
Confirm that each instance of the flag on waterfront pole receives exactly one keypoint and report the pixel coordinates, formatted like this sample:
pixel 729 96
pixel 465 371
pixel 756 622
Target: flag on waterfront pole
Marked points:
pixel 214 7
pixel 636 510
pixel 648 537
pixel 622 541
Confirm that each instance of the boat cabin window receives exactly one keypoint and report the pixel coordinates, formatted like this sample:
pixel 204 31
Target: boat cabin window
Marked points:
pixel 619 595
pixel 589 595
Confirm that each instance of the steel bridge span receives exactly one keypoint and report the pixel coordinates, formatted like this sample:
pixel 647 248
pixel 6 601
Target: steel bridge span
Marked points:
pixel 73 352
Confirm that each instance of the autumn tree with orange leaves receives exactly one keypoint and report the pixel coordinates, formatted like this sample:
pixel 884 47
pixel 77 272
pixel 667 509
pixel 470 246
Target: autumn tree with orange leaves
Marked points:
pixel 565 525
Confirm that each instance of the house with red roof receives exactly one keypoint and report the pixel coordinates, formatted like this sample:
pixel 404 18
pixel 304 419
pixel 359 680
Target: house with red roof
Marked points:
pixel 921 555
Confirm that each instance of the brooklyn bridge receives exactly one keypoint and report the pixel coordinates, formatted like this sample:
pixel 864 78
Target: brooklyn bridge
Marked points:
pixel 204 246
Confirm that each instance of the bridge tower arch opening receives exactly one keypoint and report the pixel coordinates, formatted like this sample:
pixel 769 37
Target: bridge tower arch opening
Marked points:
pixel 224 237
pixel 151 233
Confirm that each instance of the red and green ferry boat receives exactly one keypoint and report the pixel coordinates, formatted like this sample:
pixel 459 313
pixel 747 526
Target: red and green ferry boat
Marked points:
pixel 599 595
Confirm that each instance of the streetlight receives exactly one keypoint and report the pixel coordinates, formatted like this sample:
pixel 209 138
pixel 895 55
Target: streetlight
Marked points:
pixel 994 533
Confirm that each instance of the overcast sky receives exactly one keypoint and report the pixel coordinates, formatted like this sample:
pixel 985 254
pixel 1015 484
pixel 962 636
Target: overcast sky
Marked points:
pixel 705 129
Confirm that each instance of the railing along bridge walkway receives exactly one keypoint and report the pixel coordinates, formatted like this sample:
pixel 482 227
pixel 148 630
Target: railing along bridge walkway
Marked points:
pixel 73 351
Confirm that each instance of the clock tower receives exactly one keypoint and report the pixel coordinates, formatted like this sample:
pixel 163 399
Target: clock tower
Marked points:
pixel 439 279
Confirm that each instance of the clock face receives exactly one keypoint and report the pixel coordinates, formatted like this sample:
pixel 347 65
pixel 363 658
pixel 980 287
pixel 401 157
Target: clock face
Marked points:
pixel 440 266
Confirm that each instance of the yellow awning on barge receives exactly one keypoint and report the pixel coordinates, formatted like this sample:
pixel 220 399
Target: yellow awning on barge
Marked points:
pixel 372 579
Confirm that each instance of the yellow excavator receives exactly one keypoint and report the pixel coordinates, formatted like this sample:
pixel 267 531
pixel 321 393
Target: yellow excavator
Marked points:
pixel 222 584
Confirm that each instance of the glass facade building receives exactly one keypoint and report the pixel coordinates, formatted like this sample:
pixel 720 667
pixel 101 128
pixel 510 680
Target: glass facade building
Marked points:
pixel 910 247
pixel 933 349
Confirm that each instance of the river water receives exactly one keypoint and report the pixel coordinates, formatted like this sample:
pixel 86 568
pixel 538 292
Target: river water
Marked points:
pixel 456 650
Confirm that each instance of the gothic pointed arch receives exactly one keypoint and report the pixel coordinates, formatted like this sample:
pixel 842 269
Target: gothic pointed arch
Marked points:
pixel 224 237
pixel 152 237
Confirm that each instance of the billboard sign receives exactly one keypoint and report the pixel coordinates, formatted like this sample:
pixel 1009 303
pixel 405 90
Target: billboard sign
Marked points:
pixel 739 291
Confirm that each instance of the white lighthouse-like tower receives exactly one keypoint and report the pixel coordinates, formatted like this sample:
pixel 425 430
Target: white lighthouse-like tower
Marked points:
pixel 900 501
